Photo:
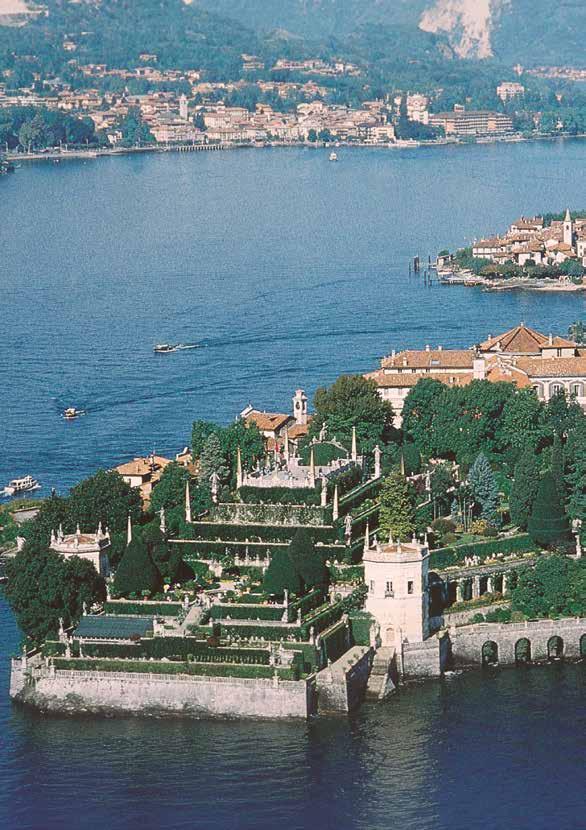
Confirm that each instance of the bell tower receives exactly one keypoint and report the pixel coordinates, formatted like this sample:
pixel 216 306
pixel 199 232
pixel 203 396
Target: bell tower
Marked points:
pixel 568 229
pixel 300 407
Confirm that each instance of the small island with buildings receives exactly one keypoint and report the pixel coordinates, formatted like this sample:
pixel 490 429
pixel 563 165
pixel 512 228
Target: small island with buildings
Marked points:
pixel 425 517
pixel 540 253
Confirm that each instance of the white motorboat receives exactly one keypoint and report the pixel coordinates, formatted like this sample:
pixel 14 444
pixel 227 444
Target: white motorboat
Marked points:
pixel 21 485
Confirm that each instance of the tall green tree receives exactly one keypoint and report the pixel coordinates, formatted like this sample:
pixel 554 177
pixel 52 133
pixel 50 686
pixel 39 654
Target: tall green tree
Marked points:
pixel 53 512
pixel 169 491
pixel 524 489
pixel 137 572
pixel 43 587
pixel 522 424
pixel 282 574
pixel 308 560
pixel 555 587
pixel 352 401
pixel 212 460
pixel 397 509
pixel 104 497
pixel 484 488
pixel 419 411
pixel 548 523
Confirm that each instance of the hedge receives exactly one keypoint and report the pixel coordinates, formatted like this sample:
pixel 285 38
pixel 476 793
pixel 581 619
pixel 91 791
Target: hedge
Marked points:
pixel 209 670
pixel 444 557
pixel 178 648
pixel 195 550
pixel 350 574
pixel 143 609
pixel 273 633
pixel 239 611
pixel 360 624
pixel 306 603
pixel 214 531
pixel 272 514
pixel 334 642
pixel 359 494
pixel 279 495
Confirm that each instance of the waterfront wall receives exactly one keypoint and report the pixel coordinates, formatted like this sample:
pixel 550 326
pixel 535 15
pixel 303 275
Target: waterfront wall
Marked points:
pixel 468 641
pixel 341 687
pixel 150 694
pixel 426 659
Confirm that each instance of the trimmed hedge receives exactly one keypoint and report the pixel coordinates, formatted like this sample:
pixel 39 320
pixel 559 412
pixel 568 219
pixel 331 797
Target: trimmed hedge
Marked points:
pixel 272 514
pixel 279 495
pixel 143 609
pixel 306 603
pixel 351 574
pixel 212 531
pixel 239 611
pixel 360 623
pixel 355 497
pixel 273 633
pixel 444 557
pixel 209 670
pixel 334 642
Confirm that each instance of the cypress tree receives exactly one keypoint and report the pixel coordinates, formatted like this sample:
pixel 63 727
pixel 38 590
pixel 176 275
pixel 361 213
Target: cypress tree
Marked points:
pixel 308 561
pixel 136 572
pixel 212 460
pixel 282 574
pixel 558 464
pixel 484 488
pixel 524 489
pixel 397 512
pixel 548 523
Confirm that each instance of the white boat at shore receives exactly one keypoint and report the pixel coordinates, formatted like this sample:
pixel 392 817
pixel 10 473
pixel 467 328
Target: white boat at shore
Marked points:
pixel 21 485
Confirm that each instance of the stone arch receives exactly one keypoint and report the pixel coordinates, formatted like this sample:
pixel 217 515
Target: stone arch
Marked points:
pixel 490 653
pixel 583 645
pixel 523 650
pixel 555 648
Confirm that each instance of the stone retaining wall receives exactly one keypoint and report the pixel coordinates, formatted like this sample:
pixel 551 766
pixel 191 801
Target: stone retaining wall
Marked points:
pixel 468 641
pixel 150 694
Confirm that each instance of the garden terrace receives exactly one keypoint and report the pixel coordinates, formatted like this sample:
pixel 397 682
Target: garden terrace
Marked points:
pixel 188 668
pixel 195 550
pixel 442 558
pixel 355 497
pixel 300 496
pixel 113 627
pixel 272 514
pixel 143 608
pixel 239 532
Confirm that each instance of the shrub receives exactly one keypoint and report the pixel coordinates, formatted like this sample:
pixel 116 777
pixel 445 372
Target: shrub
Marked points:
pixel 443 526
pixel 279 495
pixel 444 557
pixel 137 572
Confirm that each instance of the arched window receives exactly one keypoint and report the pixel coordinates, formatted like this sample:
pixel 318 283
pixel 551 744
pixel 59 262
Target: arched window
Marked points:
pixel 555 388
pixel 577 390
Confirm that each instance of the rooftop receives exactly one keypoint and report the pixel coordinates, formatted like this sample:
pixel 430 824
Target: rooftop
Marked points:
pixel 113 627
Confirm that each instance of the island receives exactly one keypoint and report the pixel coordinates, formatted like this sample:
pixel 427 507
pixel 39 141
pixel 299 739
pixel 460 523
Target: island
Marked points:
pixel 294 564
pixel 541 253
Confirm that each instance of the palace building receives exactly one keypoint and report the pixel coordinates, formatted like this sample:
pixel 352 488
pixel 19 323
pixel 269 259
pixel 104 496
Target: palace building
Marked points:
pixel 523 356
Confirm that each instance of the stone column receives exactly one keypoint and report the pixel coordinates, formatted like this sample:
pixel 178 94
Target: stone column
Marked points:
pixel 476 587
pixel 459 592
pixel 490 585
pixel 504 587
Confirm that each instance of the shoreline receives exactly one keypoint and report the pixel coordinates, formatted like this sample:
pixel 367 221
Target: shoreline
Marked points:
pixel 58 155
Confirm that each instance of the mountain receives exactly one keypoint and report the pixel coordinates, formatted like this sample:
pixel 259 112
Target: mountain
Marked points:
pixel 527 31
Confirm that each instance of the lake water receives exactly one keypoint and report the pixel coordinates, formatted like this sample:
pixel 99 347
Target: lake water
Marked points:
pixel 287 270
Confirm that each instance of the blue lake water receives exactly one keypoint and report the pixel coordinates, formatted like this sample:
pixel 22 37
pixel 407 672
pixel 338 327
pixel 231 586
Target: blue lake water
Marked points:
pixel 287 270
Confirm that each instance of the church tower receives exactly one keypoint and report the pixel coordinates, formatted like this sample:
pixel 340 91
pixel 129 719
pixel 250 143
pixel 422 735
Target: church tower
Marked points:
pixel 568 229
pixel 300 407
pixel 183 108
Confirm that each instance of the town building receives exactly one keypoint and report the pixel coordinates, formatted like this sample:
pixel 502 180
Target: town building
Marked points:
pixel 143 473
pixel 530 240
pixel 509 90
pixel 472 123
pixel 522 356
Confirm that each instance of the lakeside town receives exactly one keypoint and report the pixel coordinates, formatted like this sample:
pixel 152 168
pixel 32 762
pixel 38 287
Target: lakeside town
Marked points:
pixel 423 518
pixel 150 107
pixel 535 253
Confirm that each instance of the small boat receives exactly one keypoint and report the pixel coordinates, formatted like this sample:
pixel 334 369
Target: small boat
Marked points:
pixel 164 348
pixel 21 485
pixel 333 156
pixel 71 413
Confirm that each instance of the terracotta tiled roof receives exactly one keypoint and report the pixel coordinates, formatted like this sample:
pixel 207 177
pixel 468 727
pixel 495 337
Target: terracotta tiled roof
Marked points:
pixel 508 374
pixel 558 343
pixel 556 367
pixel 297 431
pixel 266 421
pixel 436 359
pixel 408 381
pixel 520 340
pixel 142 466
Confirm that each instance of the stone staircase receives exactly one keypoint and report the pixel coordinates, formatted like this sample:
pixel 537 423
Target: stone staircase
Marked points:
pixel 380 682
